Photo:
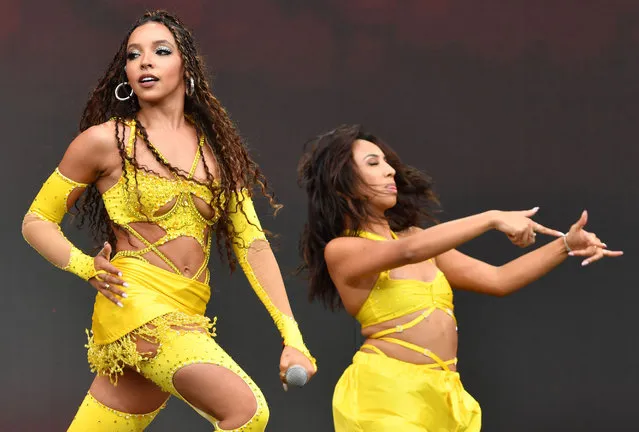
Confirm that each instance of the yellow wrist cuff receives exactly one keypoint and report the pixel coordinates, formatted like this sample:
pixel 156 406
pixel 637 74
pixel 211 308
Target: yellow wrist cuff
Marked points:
pixel 81 264
pixel 292 336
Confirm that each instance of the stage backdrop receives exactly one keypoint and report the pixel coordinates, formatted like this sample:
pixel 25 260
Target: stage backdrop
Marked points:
pixel 509 104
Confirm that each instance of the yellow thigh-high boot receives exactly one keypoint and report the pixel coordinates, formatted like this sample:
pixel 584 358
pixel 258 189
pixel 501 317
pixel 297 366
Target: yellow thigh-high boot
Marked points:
pixel 190 347
pixel 96 417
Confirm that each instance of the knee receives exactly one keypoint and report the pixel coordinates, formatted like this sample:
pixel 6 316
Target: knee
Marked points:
pixel 252 417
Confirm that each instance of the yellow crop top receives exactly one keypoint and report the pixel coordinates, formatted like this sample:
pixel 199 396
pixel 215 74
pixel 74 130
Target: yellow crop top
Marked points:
pixel 394 298
pixel 137 198
pixel 125 206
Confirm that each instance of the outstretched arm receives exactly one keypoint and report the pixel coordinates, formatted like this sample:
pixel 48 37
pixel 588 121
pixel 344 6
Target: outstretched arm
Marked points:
pixel 41 225
pixel 343 254
pixel 471 274
pixel 260 266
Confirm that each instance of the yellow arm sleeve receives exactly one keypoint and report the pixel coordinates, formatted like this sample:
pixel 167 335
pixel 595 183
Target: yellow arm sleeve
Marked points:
pixel 256 258
pixel 41 227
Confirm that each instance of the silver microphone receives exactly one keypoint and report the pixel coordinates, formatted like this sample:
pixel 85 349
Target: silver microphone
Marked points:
pixel 296 376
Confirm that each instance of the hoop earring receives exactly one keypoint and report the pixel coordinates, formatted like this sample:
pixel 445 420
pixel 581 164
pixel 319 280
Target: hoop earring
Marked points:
pixel 191 87
pixel 117 90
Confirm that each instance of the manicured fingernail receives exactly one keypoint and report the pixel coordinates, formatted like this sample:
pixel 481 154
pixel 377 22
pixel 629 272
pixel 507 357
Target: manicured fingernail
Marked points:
pixel 571 253
pixel 120 274
pixel 585 263
pixel 124 295
pixel 120 304
pixel 604 245
pixel 124 284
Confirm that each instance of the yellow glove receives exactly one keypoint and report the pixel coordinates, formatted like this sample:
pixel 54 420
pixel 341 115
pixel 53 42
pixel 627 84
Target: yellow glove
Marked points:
pixel 41 227
pixel 256 260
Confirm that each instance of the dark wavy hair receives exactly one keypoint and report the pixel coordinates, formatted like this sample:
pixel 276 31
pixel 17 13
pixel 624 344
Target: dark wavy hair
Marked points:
pixel 328 174
pixel 235 166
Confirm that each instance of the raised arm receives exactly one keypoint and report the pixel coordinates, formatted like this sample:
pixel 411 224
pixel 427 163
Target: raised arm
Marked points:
pixel 468 273
pixel 344 254
pixel 260 266
pixel 81 165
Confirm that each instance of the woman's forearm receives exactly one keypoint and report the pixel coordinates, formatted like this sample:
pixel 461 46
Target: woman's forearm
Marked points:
pixel 529 267
pixel 440 238
pixel 262 271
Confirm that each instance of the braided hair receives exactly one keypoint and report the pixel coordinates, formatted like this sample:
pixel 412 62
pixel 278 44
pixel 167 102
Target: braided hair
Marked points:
pixel 235 167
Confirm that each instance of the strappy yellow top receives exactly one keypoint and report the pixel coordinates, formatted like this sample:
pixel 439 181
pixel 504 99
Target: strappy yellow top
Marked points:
pixel 394 298
pixel 126 206
pixel 163 298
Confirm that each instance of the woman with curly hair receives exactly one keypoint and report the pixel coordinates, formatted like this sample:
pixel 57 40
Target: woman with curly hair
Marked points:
pixel 364 251
pixel 163 170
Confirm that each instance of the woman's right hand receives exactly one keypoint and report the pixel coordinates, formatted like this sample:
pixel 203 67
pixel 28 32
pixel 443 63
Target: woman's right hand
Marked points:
pixel 520 228
pixel 108 278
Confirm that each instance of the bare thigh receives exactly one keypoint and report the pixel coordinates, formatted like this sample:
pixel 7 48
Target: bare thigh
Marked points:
pixel 218 392
pixel 133 393
pixel 205 376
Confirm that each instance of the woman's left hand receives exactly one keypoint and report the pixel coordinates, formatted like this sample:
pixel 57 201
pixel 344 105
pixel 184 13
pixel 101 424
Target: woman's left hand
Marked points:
pixel 586 244
pixel 292 357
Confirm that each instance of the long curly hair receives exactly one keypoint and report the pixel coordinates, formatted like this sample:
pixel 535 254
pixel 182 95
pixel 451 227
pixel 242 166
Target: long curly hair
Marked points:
pixel 235 167
pixel 328 174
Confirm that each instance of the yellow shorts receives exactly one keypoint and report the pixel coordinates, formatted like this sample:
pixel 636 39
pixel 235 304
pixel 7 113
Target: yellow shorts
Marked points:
pixel 378 393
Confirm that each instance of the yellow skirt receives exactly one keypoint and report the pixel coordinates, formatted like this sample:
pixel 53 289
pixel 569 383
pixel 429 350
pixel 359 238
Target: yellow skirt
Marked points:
pixel 157 301
pixel 383 394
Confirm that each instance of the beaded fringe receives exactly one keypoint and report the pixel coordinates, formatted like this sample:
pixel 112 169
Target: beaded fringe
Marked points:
pixel 111 359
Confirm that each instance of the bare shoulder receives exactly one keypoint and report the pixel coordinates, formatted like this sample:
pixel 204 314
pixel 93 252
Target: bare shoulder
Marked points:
pixel 340 247
pixel 92 153
pixel 99 138
pixel 347 268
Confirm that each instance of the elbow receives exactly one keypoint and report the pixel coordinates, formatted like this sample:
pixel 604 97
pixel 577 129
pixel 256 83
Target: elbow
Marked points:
pixel 498 285
pixel 407 256
pixel 25 228
pixel 506 287
pixel 499 291
pixel 410 253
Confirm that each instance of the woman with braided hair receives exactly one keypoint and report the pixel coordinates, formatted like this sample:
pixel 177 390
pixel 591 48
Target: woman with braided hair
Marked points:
pixel 163 170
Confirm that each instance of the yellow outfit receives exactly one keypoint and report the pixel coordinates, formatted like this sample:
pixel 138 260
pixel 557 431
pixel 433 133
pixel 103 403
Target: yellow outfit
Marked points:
pixel 162 306
pixel 378 393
